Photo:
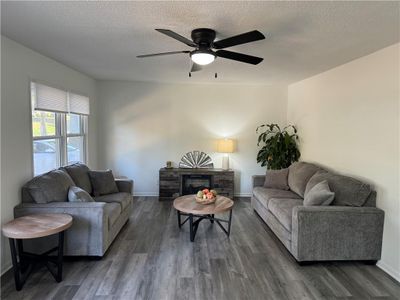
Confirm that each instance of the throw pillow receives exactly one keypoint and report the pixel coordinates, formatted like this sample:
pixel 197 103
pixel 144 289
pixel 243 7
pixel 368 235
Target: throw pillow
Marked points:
pixel 277 179
pixel 76 194
pixel 319 195
pixel 103 182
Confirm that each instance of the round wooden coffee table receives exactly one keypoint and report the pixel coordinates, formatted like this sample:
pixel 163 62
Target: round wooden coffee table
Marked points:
pixel 30 227
pixel 187 206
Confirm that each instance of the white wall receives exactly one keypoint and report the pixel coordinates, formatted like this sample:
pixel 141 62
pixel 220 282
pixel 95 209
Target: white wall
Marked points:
pixel 348 120
pixel 142 125
pixel 18 66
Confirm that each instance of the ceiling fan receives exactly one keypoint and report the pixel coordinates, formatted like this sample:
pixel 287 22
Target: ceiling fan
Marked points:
pixel 204 44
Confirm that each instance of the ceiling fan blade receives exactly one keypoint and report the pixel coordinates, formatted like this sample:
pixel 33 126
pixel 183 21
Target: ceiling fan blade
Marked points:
pixel 163 53
pixel 178 37
pixel 254 60
pixel 243 38
pixel 195 68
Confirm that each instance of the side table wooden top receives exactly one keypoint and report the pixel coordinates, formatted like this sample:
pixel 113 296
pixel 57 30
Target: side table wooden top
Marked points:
pixel 188 204
pixel 36 225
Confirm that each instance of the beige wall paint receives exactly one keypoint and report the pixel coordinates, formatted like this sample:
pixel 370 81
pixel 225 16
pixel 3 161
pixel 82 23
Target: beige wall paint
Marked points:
pixel 348 120
pixel 143 125
pixel 19 65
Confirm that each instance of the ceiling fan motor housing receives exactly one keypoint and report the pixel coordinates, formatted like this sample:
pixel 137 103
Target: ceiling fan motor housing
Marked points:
pixel 203 37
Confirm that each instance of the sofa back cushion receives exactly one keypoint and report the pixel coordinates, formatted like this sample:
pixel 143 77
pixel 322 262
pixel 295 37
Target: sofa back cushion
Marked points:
pixel 277 179
pixel 79 174
pixel 348 191
pixel 52 186
pixel 299 175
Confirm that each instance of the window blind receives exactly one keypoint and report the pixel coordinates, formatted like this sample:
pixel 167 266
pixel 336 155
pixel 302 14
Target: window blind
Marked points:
pixel 48 99
pixel 79 104
pixel 55 100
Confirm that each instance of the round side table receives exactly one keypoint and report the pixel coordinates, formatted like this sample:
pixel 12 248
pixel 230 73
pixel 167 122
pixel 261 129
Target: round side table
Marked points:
pixel 30 227
pixel 187 206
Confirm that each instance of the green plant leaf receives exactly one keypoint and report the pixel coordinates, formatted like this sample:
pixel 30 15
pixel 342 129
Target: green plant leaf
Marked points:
pixel 279 147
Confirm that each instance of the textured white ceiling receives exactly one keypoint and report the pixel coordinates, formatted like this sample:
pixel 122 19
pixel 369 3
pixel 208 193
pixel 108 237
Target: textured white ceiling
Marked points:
pixel 102 39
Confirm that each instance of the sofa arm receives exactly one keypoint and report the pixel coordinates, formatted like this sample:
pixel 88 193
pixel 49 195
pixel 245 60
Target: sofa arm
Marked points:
pixel 86 236
pixel 258 180
pixel 60 205
pixel 124 185
pixel 336 233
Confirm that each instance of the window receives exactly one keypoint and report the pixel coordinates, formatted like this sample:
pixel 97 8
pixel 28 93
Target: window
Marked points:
pixel 59 122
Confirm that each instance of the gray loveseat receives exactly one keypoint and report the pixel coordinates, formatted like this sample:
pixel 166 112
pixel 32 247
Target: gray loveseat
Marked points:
pixel 95 224
pixel 351 228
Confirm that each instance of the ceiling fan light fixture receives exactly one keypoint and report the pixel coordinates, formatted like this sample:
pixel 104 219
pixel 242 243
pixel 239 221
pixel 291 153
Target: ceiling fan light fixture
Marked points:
pixel 202 57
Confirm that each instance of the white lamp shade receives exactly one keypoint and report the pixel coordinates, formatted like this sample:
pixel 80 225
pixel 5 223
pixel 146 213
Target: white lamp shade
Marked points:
pixel 225 146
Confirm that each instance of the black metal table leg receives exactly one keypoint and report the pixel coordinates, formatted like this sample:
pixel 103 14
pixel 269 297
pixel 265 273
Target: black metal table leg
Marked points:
pixel 23 262
pixel 60 256
pixel 194 224
pixel 14 258
pixel 191 227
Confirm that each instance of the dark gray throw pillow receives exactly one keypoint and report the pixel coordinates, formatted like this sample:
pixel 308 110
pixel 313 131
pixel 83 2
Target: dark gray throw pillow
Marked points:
pixel 76 194
pixel 103 182
pixel 319 195
pixel 277 179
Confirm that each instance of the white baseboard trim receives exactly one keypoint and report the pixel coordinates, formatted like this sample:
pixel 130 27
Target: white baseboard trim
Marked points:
pixel 389 269
pixel 243 195
pixel 8 268
pixel 145 194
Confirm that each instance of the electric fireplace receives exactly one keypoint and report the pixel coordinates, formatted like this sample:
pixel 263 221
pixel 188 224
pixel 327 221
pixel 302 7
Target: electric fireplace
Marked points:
pixel 192 183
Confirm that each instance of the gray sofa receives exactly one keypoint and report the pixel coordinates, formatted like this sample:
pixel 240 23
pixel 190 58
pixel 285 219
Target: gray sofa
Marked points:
pixel 351 228
pixel 95 224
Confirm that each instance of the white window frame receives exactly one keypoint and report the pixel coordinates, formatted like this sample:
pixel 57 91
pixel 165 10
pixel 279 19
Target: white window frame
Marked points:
pixel 62 136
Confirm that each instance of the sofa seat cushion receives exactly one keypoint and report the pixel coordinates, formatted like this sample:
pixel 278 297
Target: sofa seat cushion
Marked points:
pixel 79 174
pixel 348 191
pixel 112 211
pixel 122 198
pixel 299 175
pixel 264 194
pixel 282 208
pixel 52 186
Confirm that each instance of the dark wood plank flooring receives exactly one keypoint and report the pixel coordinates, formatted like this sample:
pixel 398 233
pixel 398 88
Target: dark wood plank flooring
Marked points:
pixel 152 259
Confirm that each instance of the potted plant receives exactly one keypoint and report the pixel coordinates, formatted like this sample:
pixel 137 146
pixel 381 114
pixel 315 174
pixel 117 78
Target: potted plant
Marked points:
pixel 279 148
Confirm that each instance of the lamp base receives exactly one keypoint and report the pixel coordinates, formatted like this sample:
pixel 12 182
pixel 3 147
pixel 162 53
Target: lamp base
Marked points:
pixel 225 162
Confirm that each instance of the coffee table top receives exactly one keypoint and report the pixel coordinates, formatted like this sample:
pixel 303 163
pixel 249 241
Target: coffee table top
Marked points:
pixel 37 225
pixel 188 204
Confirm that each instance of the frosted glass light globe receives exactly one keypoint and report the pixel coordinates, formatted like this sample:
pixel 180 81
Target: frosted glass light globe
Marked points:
pixel 202 58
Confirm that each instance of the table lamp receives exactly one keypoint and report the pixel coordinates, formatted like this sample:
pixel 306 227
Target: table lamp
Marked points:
pixel 225 146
